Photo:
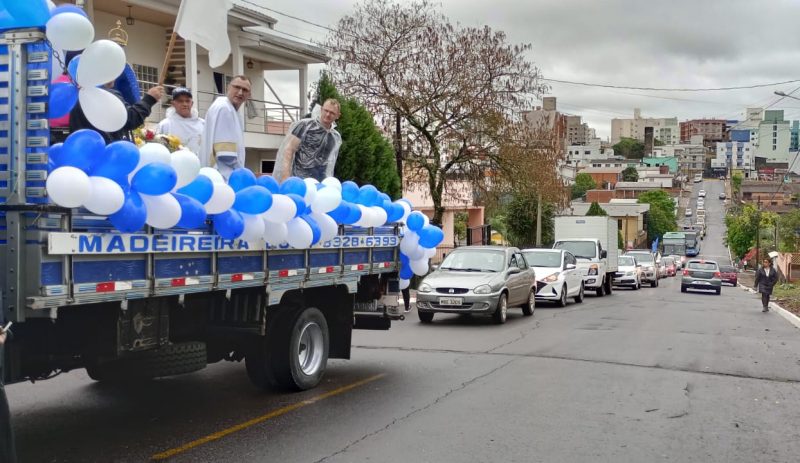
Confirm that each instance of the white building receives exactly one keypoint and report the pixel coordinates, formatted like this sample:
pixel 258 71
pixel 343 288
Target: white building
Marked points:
pixel 666 130
pixel 734 155
pixel 691 156
pixel 774 137
pixel 588 152
pixel 256 47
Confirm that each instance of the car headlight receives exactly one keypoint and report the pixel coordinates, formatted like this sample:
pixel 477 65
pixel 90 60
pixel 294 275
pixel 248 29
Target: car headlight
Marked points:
pixel 424 288
pixel 551 278
pixel 592 269
pixel 482 289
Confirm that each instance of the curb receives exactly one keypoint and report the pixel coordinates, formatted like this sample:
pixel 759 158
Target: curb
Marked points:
pixel 789 316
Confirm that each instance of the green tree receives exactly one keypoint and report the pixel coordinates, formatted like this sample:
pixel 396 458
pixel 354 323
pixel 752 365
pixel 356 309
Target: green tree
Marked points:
pixel 736 183
pixel 520 221
pixel 629 148
pixel 366 156
pixel 661 218
pixel 595 209
pixel 620 240
pixel 788 229
pixel 583 183
pixel 741 225
pixel 630 174
pixel 460 225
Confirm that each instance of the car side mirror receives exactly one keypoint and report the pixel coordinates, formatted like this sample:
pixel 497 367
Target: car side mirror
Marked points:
pixel 513 270
pixel 603 253
pixel 570 267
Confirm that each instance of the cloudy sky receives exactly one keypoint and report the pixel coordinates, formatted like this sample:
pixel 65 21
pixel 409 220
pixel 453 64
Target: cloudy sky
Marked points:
pixel 675 44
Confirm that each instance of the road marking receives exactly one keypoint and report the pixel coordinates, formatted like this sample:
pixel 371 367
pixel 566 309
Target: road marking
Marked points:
pixel 260 419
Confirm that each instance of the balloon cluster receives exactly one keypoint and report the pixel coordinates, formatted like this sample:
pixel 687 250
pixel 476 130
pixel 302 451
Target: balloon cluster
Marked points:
pixel 149 185
pixel 101 62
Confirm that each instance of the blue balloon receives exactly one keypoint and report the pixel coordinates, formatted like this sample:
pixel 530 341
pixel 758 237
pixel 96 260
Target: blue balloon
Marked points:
pixel 193 214
pixel 340 213
pixel 23 13
pixel 55 155
pixel 294 185
pixel 155 179
pixel 316 233
pixel 349 191
pixel 121 157
pixel 63 96
pixel 132 216
pixel 384 197
pixel 354 215
pixel 229 224
pixel 269 182
pixel 299 202
pixel 415 221
pixel 405 271
pixel 82 149
pixel 68 9
pixel 241 178
pixel 394 213
pixel 430 236
pixel 368 196
pixel 407 201
pixel 72 66
pixel 51 166
pixel 253 200
pixel 200 189
pixel 404 259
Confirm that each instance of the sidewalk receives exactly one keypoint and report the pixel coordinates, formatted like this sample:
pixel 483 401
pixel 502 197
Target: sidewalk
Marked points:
pixel 791 312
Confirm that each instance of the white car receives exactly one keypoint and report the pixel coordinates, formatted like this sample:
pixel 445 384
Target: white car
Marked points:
pixel 628 273
pixel 688 213
pixel 701 194
pixel 557 275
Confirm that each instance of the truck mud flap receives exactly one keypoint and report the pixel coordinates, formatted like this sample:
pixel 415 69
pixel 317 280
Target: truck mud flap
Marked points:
pixel 371 322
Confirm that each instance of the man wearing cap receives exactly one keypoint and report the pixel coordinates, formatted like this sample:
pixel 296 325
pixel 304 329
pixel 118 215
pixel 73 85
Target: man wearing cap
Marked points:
pixel 183 121
pixel 223 143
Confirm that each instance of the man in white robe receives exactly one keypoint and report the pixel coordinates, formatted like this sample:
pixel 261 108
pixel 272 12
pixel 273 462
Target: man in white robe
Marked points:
pixel 223 146
pixel 183 122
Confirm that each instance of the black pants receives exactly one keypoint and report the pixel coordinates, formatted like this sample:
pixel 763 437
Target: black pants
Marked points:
pixel 765 300
pixel 406 297
pixel 8 452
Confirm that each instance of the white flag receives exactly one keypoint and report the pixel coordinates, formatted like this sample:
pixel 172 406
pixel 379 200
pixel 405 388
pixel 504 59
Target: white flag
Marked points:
pixel 205 22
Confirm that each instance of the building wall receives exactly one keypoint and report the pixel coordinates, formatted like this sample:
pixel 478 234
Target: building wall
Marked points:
pixel 732 154
pixel 600 177
pixel 710 129
pixel 774 137
pixel 665 130
pixel 599 196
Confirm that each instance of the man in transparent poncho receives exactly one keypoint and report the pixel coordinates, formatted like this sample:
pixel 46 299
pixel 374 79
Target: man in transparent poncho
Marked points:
pixel 311 147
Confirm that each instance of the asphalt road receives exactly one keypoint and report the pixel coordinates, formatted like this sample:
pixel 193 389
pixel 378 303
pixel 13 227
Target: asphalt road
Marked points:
pixel 648 375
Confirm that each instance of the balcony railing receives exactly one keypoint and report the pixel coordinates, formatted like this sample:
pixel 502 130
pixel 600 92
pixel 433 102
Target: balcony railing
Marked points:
pixel 261 116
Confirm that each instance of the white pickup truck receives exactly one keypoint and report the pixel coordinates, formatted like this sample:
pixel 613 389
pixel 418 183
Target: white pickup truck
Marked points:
pixel 593 242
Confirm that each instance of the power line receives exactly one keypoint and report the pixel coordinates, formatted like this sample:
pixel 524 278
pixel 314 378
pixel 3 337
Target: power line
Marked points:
pixel 290 16
pixel 711 89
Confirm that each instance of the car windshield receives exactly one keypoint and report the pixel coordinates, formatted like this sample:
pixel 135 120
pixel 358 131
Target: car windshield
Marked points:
pixel 475 261
pixel 543 258
pixel 626 261
pixel 579 249
pixel 645 258
pixel 667 261
pixel 727 269
pixel 702 266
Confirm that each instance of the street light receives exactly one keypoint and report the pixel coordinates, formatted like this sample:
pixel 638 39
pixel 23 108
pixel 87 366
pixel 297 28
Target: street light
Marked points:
pixel 785 95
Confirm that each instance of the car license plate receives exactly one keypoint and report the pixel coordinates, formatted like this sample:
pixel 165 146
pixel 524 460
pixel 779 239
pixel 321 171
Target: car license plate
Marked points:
pixel 450 301
pixel 700 282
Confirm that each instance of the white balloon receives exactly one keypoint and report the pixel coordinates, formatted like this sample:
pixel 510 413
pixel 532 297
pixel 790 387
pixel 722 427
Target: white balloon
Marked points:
pixel 104 110
pixel 327 226
pixel 68 186
pixel 419 266
pixel 212 173
pixel 150 153
pixel 299 234
pixel 70 31
pixel 416 253
pixel 186 165
pixel 406 210
pixel 366 217
pixel 379 216
pixel 430 252
pixel 163 211
pixel 283 209
pixel 333 182
pixel 311 190
pixel 221 200
pixel 404 283
pixel 327 200
pixel 101 62
pixel 253 228
pixel 275 233
pixel 425 220
pixel 409 243
pixel 106 196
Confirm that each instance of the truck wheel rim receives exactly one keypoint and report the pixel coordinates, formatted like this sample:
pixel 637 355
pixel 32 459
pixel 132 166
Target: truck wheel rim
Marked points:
pixel 310 348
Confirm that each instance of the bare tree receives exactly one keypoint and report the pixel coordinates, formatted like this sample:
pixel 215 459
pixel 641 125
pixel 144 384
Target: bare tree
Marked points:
pixel 455 89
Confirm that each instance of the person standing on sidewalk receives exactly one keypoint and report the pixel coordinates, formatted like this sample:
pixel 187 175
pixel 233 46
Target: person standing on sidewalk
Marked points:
pixel 766 277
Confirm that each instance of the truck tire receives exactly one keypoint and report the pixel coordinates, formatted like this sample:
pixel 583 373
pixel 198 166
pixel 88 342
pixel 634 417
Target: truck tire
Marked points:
pixel 169 360
pixel 608 285
pixel 294 354
pixel 601 291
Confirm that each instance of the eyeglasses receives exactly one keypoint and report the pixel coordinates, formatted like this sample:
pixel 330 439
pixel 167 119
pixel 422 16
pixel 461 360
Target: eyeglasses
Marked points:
pixel 240 88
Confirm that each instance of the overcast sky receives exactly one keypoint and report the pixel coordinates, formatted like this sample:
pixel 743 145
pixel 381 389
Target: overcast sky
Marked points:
pixel 675 44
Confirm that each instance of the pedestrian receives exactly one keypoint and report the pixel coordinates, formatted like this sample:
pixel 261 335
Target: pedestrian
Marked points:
pixel 311 147
pixel 137 113
pixel 8 452
pixel 766 277
pixel 183 121
pixel 223 142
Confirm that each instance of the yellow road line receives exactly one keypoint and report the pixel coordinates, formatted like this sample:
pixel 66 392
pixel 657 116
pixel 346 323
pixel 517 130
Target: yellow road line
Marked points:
pixel 281 411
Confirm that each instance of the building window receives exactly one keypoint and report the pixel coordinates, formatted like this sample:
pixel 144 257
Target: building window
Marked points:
pixel 267 166
pixel 146 75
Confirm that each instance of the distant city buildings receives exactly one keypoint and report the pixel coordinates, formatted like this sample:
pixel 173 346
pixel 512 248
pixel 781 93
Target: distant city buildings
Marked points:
pixel 712 130
pixel 665 130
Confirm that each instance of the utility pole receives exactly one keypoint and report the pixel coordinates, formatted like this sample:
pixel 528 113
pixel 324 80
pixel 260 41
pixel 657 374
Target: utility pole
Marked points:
pixel 758 232
pixel 538 220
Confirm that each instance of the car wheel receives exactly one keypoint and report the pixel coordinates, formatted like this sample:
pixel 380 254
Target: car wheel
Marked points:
pixel 562 301
pixel 501 312
pixel 719 291
pixel 654 283
pixel 579 297
pixel 425 317
pixel 530 306
pixel 683 289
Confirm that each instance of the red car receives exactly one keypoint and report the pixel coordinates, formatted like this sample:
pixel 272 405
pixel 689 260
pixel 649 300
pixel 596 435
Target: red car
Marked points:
pixel 671 266
pixel 728 275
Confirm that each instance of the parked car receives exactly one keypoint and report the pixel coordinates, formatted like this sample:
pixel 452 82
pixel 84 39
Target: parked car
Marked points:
pixel 729 274
pixel 649 267
pixel 670 266
pixel 701 194
pixel 679 261
pixel 628 273
pixel 557 275
pixel 662 267
pixel 478 280
pixel 701 274
pixel 688 213
pixel 723 195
